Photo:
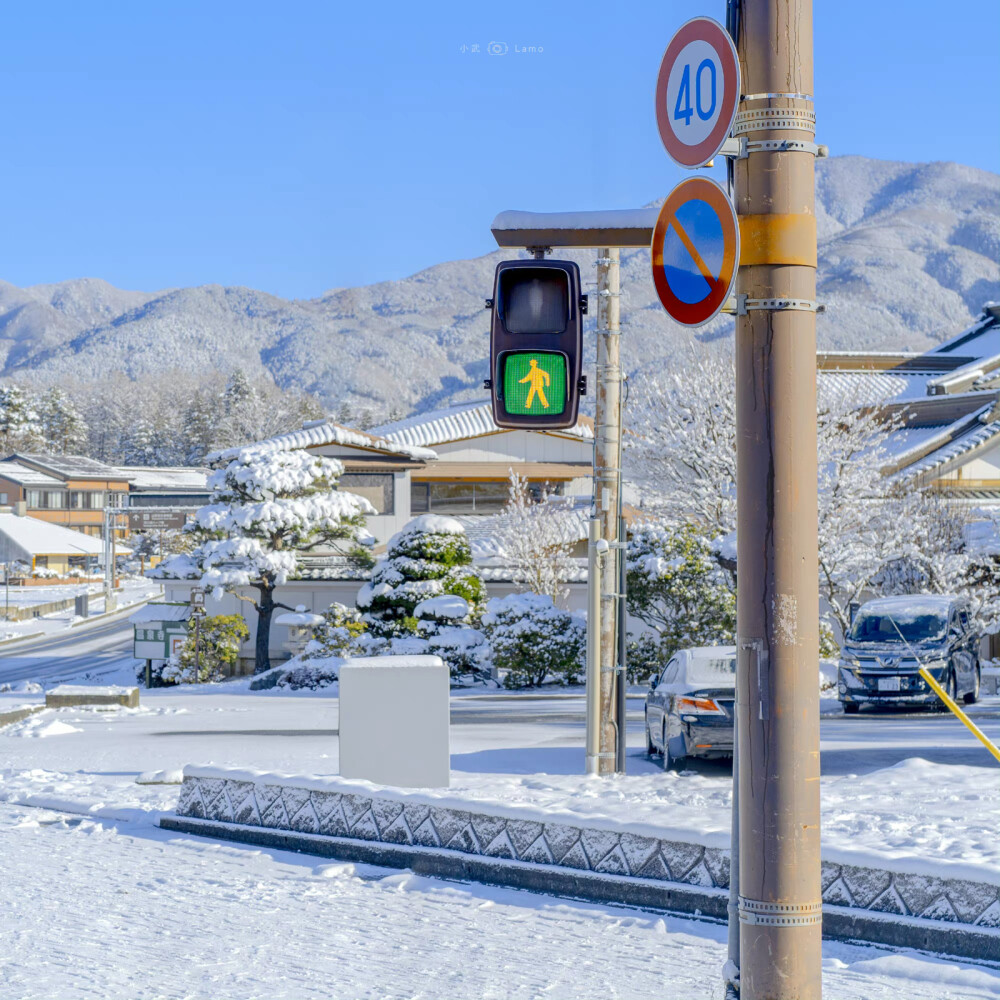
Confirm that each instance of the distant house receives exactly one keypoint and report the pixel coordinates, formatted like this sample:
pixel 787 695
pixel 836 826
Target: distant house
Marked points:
pixel 948 402
pixel 45 546
pixel 166 486
pixel 69 490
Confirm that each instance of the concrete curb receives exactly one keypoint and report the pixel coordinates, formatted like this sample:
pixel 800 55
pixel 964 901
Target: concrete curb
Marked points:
pixel 8 718
pixel 21 638
pixel 839 923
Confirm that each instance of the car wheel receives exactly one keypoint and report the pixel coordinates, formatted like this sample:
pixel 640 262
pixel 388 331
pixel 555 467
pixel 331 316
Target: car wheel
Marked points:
pixel 950 689
pixel 850 708
pixel 973 696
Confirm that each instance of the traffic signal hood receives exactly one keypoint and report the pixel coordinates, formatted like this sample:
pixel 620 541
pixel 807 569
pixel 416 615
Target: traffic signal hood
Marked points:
pixel 536 344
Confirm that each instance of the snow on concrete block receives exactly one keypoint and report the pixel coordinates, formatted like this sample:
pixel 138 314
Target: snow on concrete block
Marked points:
pixel 72 695
pixel 394 718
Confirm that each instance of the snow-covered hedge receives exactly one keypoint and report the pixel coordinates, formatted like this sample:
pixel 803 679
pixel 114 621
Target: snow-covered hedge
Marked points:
pixel 533 641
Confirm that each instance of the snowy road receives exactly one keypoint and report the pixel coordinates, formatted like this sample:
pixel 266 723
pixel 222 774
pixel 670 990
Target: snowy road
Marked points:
pixel 95 650
pixel 114 910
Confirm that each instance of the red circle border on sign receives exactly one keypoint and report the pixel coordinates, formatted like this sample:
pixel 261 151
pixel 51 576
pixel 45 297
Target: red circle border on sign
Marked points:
pixel 697 313
pixel 710 31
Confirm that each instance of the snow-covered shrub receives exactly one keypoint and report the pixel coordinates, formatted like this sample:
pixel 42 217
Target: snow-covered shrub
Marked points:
pixel 426 597
pixel 429 558
pixel 533 640
pixel 320 672
pixel 444 624
pixel 677 586
pixel 337 635
pixel 219 638
pixel 645 655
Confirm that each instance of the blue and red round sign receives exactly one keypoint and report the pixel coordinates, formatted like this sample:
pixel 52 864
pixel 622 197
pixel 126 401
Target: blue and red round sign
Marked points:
pixel 695 251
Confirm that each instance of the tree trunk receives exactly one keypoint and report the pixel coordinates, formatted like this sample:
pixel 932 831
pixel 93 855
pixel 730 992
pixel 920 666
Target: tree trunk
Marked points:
pixel 265 608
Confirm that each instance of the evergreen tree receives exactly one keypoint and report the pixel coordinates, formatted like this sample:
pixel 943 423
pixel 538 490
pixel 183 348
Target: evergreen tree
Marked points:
pixel 267 510
pixel 62 428
pixel 429 558
pixel 19 426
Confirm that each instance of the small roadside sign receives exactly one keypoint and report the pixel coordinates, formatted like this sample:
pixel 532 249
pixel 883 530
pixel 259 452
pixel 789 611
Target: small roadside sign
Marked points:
pixel 695 251
pixel 697 91
pixel 152 519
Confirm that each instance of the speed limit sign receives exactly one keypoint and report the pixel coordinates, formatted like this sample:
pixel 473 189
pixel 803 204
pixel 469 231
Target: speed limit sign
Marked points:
pixel 697 91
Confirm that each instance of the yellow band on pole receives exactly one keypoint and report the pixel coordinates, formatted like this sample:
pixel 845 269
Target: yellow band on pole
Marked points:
pixel 973 728
pixel 778 239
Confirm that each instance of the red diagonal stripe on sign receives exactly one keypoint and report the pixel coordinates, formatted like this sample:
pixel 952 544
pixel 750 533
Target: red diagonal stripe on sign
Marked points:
pixel 695 256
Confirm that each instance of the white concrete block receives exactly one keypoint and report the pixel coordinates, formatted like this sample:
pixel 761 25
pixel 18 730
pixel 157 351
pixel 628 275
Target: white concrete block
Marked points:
pixel 394 718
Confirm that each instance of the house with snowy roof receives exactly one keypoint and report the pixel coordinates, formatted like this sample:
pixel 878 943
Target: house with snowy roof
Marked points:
pixel 947 402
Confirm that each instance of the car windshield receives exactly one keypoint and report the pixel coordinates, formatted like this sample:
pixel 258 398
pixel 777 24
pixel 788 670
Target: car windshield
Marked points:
pixel 707 671
pixel 916 624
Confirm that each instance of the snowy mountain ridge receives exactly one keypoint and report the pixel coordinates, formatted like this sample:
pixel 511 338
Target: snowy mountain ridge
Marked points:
pixel 908 254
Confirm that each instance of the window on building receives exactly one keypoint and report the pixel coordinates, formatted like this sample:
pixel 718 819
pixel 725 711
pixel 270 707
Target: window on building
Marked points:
pixel 95 500
pixel 466 497
pixel 35 498
pixel 55 499
pixel 3 499
pixel 77 498
pixel 77 562
pixel 378 488
pixel 41 562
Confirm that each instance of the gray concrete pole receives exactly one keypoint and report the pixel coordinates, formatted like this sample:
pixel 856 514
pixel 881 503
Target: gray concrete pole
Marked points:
pixel 593 648
pixel 777 599
pixel 607 484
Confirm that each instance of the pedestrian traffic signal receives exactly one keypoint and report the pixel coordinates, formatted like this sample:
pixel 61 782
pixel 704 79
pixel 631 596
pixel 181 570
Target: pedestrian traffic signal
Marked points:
pixel 536 344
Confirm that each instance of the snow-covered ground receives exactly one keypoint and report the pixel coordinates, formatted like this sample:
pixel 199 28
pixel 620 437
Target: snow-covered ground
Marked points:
pixel 915 816
pixel 101 909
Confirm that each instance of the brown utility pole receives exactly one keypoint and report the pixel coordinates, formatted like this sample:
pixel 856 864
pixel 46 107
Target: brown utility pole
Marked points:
pixel 777 602
pixel 607 483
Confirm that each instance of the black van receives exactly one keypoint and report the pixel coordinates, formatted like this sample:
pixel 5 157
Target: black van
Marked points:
pixel 891 636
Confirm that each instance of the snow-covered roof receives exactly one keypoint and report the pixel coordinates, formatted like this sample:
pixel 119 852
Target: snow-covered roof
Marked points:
pixel 921 451
pixel 315 434
pixel 458 422
pixel 70 466
pixel 161 613
pixel 39 538
pixel 877 386
pixel 981 340
pixel 26 476
pixel 150 477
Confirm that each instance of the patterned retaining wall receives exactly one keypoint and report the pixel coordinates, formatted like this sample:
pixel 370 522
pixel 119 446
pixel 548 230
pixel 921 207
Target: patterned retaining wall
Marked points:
pixel 319 811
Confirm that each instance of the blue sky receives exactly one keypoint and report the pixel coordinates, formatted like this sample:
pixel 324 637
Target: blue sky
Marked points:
pixel 297 147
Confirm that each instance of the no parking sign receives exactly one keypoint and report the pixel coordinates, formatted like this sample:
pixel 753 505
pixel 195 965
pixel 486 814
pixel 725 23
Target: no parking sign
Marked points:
pixel 695 251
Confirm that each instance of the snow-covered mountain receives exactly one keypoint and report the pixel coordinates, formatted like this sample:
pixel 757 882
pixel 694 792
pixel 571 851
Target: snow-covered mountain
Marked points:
pixel 908 254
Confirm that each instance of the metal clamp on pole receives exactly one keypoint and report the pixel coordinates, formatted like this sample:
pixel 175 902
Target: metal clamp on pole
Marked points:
pixel 745 305
pixel 759 911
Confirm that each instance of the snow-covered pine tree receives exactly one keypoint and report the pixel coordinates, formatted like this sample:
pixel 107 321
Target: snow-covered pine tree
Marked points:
pixel 63 429
pixel 267 510
pixel 429 558
pixel 19 426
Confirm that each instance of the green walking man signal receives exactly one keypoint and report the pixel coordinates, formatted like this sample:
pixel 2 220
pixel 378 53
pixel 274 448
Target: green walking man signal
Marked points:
pixel 536 344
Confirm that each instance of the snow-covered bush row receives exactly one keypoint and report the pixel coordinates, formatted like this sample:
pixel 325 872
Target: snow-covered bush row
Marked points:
pixel 533 641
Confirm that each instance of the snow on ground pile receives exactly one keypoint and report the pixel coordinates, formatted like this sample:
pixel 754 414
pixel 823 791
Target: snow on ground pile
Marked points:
pixel 81 894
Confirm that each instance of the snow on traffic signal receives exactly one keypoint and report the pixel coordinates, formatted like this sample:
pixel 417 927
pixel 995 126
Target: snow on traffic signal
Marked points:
pixel 536 344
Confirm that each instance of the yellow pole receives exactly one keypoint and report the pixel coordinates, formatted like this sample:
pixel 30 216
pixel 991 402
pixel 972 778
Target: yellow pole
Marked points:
pixel 972 727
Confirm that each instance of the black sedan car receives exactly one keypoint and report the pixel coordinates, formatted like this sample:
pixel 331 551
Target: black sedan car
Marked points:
pixel 689 707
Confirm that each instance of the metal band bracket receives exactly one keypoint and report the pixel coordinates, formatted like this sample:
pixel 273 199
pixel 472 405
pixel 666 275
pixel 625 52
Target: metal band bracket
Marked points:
pixel 745 305
pixel 758 911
